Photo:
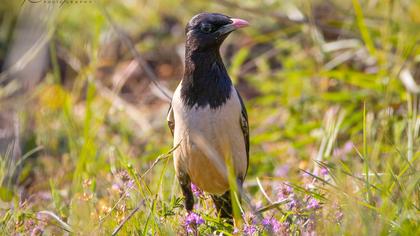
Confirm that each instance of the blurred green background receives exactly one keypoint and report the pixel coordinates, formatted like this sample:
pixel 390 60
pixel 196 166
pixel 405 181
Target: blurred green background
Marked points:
pixel 331 89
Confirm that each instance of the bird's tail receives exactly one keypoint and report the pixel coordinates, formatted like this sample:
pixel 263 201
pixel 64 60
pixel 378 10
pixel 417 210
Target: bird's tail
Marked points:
pixel 223 205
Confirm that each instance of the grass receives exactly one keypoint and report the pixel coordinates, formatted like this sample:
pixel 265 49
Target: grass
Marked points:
pixel 334 121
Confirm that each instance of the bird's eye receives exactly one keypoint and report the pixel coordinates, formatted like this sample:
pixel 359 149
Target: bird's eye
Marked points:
pixel 206 28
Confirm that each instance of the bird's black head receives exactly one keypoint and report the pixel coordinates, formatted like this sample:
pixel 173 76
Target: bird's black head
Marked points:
pixel 207 31
pixel 206 81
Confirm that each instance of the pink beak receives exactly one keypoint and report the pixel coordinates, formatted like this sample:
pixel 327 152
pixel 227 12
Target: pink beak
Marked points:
pixel 239 23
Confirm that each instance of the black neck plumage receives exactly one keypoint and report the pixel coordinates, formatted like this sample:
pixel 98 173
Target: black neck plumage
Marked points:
pixel 205 81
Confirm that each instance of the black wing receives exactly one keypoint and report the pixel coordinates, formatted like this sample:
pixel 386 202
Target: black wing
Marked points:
pixel 245 129
pixel 170 119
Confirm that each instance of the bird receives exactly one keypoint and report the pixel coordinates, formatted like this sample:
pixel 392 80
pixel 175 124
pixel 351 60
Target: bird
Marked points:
pixel 207 116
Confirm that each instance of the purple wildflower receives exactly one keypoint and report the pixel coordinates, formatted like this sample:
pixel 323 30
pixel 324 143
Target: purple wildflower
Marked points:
pixel 343 151
pixel 197 191
pixel 313 204
pixel 306 174
pixel 294 203
pixel 309 227
pixel 348 146
pixel 29 224
pixel 324 171
pixel 250 230
pixel 284 191
pixel 130 183
pixel 272 224
pixel 266 221
pixel 249 217
pixel 282 170
pixel 192 221
pixel 277 226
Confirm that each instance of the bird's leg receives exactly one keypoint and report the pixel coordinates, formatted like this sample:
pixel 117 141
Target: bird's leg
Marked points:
pixel 185 182
pixel 224 203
